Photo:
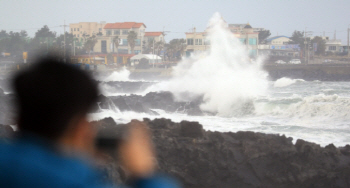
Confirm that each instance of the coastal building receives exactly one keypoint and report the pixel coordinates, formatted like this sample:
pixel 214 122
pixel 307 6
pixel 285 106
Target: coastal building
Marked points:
pixel 334 46
pixel 157 36
pixel 86 29
pixel 197 42
pixel 278 40
pixel 121 30
pixel 279 46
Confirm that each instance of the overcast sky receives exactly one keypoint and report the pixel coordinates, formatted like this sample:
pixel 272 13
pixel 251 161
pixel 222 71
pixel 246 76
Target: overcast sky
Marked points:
pixel 281 17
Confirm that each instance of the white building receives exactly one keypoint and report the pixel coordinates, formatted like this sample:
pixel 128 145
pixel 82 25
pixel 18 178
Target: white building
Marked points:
pixel 334 46
pixel 278 40
pixel 105 43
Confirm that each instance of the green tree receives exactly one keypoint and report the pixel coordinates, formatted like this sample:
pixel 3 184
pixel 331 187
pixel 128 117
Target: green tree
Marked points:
pixel 175 48
pixel 43 41
pixel 61 44
pixel 3 34
pixel 23 33
pixel 159 46
pixel 298 38
pixel 13 42
pixel 45 32
pixel 321 45
pixel 132 36
pixel 90 43
pixel 263 35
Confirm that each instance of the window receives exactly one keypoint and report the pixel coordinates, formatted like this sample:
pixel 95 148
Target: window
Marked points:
pixel 137 42
pixel 103 46
pixel 71 29
pixel 137 51
pixel 125 32
pixel 78 35
pixel 125 42
pixel 74 29
pixel 108 32
pixel 116 32
pixel 333 48
pixel 190 41
pixel 100 29
pixel 78 29
pixel 198 42
pixel 122 51
pixel 242 40
pixel 252 41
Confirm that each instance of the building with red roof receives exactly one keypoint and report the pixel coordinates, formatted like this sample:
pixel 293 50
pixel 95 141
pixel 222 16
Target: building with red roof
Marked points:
pixel 120 31
pixel 153 38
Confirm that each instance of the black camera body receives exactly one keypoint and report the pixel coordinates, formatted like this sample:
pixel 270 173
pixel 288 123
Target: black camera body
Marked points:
pixel 109 139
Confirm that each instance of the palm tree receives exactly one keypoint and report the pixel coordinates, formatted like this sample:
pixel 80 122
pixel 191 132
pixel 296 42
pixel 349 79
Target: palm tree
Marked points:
pixel 131 40
pixel 176 47
pixel 89 44
pixel 116 41
pixel 159 46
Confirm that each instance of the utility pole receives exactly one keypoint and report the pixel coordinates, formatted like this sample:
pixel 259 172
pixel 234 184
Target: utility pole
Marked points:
pixel 305 43
pixel 74 46
pixel 64 35
pixel 348 41
pixel 153 53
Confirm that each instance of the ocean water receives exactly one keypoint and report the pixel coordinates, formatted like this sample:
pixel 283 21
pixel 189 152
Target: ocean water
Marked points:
pixel 228 79
pixel 314 111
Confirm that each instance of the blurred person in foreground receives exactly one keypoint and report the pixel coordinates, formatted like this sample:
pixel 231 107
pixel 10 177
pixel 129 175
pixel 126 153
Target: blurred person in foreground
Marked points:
pixel 55 145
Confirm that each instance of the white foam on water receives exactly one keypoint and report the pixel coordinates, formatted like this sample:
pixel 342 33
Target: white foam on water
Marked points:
pixel 224 75
pixel 283 82
pixel 121 75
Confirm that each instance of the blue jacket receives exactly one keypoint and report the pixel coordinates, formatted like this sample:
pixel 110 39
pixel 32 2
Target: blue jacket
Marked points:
pixel 32 163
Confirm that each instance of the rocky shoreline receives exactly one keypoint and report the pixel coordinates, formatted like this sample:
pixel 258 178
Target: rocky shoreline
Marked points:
pixel 203 159
pixel 200 158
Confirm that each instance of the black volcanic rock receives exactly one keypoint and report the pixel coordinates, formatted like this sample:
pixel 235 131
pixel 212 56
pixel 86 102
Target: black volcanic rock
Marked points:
pixel 200 158
pixel 128 87
pixel 153 100
pixel 7 112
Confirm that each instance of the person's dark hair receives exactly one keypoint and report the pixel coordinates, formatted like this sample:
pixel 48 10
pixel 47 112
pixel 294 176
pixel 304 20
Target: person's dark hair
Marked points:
pixel 50 94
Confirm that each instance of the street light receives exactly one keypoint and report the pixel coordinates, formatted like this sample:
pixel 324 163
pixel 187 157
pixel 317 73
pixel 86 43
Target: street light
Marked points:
pixel 348 40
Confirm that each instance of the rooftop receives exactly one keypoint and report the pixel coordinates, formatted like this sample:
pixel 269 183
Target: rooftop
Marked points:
pixel 276 37
pixel 123 25
pixel 151 34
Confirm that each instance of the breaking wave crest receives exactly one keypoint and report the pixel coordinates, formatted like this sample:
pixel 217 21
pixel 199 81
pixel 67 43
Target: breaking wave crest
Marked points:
pixel 283 82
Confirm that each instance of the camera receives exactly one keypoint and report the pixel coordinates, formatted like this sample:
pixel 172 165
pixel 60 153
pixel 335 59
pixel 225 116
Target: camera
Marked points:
pixel 109 139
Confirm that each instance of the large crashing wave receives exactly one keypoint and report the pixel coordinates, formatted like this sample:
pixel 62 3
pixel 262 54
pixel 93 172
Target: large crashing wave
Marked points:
pixel 224 75
pixel 121 75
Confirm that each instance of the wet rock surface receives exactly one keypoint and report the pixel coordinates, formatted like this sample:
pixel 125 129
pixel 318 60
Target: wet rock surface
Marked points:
pixel 7 112
pixel 153 100
pixel 128 87
pixel 200 158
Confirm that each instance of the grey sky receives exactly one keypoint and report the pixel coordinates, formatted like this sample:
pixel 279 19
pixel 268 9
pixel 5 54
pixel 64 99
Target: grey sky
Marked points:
pixel 281 17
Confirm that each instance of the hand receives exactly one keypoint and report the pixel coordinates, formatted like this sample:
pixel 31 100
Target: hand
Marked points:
pixel 137 152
